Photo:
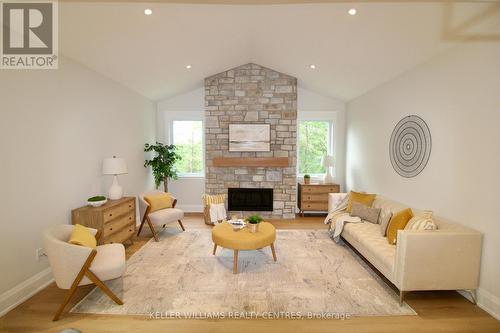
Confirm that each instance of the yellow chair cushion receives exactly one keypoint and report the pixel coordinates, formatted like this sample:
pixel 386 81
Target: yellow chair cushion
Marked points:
pixel 224 236
pixel 158 201
pixel 82 236
pixel 398 222
pixel 363 198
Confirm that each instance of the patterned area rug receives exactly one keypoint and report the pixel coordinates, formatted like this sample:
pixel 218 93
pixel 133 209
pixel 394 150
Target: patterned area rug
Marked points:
pixel 313 276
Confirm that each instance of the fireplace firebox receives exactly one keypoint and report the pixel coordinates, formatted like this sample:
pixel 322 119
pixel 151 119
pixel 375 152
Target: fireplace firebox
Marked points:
pixel 250 199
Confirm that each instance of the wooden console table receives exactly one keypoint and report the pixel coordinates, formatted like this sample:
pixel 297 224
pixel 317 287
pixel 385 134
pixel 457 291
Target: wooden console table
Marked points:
pixel 314 196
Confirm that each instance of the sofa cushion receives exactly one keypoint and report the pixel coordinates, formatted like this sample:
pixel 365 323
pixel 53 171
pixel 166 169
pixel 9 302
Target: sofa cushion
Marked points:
pixel 368 235
pixel 398 222
pixel 364 198
pixel 365 213
pixel 159 201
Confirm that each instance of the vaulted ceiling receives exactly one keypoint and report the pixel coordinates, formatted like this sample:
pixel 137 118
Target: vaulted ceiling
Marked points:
pixel 352 54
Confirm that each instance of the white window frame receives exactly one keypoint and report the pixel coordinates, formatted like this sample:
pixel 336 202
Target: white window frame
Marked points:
pixel 323 116
pixel 188 116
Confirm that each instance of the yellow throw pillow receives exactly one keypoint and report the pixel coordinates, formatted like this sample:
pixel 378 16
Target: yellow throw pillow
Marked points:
pixel 158 201
pixel 363 198
pixel 82 236
pixel 398 222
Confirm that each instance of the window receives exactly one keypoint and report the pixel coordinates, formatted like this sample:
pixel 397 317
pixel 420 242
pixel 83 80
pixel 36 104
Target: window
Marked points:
pixel 187 135
pixel 315 141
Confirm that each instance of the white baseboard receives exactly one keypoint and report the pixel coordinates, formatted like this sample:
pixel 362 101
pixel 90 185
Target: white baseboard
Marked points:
pixel 20 293
pixel 486 301
pixel 191 208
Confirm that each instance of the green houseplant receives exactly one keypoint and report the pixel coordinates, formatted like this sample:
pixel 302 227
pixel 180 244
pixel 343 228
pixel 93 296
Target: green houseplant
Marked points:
pixel 253 221
pixel 307 179
pixel 163 164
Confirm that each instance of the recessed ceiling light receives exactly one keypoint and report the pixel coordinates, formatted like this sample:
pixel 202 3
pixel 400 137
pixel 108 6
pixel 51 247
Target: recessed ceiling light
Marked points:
pixel 148 11
pixel 352 11
pixel 312 66
pixel 188 66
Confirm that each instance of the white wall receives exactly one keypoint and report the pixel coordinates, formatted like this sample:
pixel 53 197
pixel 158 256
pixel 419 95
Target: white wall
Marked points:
pixel 458 95
pixel 191 105
pixel 56 127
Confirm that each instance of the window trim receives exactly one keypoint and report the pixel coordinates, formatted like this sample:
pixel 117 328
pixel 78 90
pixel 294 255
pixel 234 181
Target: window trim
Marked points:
pixel 200 175
pixel 331 141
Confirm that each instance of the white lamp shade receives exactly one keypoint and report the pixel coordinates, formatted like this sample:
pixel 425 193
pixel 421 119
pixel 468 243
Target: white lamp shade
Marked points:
pixel 114 166
pixel 327 161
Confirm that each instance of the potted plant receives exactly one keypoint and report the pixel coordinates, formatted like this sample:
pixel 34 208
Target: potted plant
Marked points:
pixel 253 222
pixel 97 201
pixel 307 179
pixel 163 164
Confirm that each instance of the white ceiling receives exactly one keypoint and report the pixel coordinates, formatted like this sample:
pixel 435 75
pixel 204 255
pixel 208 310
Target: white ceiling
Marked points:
pixel 353 54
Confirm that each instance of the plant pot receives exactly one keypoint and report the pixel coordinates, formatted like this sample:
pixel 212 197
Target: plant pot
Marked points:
pixel 253 227
pixel 307 181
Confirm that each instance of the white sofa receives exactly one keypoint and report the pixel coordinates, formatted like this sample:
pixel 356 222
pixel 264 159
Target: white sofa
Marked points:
pixel 444 259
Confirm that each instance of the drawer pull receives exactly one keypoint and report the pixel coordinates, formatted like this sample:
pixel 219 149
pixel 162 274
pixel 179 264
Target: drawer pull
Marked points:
pixel 130 217
pixel 110 215
pixel 129 206
pixel 110 229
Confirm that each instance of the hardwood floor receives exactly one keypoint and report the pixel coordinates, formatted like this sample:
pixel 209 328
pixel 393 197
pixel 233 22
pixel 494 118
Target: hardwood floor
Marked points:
pixel 437 311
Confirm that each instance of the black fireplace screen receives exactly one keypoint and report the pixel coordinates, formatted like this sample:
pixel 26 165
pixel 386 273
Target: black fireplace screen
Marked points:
pixel 250 199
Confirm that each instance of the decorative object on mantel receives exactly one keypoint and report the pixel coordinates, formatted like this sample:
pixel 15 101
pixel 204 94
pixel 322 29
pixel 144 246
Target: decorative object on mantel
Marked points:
pixel 328 162
pixel 410 146
pixel 163 164
pixel 253 222
pixel 97 201
pixel 307 179
pixel 276 162
pixel 114 166
pixel 249 137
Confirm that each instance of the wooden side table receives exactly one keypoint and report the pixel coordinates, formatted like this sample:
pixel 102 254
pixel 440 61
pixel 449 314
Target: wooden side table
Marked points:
pixel 314 196
pixel 115 219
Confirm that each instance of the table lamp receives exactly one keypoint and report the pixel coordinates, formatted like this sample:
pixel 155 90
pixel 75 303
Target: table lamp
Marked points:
pixel 114 166
pixel 328 162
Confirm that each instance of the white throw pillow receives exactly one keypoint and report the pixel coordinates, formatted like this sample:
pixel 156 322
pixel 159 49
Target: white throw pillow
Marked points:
pixel 422 221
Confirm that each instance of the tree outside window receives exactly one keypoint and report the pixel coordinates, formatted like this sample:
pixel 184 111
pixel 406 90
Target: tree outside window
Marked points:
pixel 313 145
pixel 187 135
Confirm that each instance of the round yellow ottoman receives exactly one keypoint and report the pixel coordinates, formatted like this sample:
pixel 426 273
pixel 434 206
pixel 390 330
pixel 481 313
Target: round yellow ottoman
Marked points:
pixel 224 236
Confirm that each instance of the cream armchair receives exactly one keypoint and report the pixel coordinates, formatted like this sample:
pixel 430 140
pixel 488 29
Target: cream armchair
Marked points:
pixel 74 265
pixel 160 217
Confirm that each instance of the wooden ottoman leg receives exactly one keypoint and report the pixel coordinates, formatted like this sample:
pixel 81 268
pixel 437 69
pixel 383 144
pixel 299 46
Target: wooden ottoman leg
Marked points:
pixel 215 248
pixel 235 263
pixel 274 252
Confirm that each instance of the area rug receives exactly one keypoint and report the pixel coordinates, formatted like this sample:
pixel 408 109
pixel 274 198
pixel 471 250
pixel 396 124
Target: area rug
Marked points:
pixel 313 277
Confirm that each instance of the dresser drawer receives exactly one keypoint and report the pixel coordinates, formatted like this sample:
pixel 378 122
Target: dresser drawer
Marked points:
pixel 314 206
pixel 110 227
pixel 121 236
pixel 114 212
pixel 319 189
pixel 315 197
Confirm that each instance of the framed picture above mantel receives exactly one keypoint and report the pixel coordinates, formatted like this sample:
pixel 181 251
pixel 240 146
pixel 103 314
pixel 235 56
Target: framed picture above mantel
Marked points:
pixel 249 137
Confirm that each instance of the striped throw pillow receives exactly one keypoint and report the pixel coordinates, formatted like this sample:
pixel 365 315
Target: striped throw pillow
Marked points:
pixel 422 221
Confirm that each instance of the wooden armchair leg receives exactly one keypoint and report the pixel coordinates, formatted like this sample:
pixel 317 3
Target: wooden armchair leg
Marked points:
pixel 74 285
pixel 182 227
pixel 140 227
pixel 153 231
pixel 103 287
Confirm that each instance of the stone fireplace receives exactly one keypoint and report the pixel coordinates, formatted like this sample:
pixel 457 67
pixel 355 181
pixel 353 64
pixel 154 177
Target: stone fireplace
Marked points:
pixel 252 94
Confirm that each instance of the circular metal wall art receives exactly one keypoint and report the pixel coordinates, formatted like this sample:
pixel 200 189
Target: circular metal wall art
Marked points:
pixel 410 146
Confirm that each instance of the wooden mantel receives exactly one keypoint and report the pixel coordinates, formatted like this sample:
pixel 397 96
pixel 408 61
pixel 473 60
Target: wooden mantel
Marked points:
pixel 280 162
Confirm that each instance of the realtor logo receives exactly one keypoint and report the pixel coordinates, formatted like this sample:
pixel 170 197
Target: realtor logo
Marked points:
pixel 29 35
